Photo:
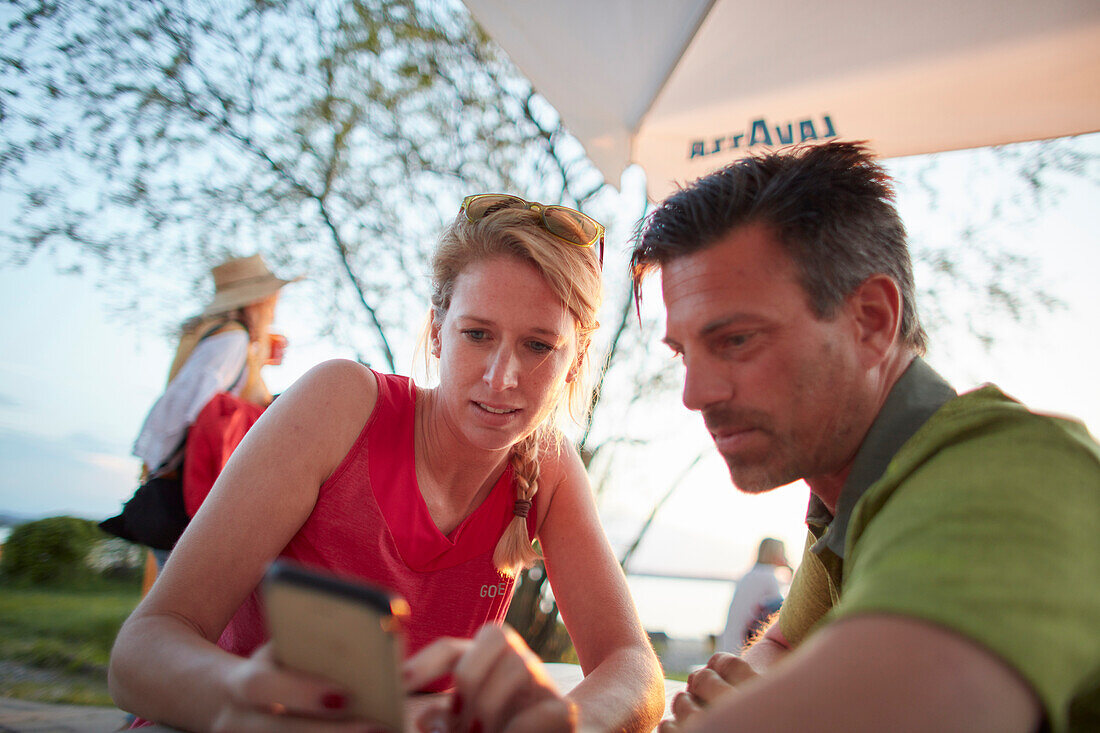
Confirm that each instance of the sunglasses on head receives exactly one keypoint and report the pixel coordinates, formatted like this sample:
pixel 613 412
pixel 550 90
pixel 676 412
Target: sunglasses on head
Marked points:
pixel 568 225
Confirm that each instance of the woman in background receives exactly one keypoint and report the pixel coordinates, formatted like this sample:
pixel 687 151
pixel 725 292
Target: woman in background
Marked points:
pixel 222 350
pixel 756 598
pixel 219 359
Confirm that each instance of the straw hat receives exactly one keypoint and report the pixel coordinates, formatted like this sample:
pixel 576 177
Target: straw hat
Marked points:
pixel 240 281
pixel 773 552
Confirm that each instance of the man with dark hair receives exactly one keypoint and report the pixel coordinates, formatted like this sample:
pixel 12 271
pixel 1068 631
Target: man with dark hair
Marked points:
pixel 951 576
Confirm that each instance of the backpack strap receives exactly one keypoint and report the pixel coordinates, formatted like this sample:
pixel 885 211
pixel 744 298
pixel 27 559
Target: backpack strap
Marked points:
pixel 175 459
pixel 219 326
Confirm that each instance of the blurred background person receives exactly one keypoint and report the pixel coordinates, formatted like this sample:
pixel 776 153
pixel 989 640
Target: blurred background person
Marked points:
pixel 757 597
pixel 221 351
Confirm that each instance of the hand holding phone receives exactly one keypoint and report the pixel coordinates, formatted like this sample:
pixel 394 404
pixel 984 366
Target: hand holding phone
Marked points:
pixel 345 631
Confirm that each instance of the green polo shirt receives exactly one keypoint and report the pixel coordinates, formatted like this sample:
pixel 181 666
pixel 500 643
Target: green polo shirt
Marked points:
pixel 975 514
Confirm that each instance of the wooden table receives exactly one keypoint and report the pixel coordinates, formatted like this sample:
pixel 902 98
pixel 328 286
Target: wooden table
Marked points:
pixel 566 676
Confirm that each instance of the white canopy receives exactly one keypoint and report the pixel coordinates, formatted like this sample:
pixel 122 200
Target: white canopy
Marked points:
pixel 685 86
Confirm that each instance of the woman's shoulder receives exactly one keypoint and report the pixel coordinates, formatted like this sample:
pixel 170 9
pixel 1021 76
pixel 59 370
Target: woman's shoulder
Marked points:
pixel 339 377
pixel 229 345
pixel 560 468
pixel 333 392
pixel 342 368
pixel 558 453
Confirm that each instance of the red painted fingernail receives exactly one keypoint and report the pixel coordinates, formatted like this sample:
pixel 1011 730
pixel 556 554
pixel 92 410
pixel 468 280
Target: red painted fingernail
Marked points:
pixel 456 704
pixel 334 701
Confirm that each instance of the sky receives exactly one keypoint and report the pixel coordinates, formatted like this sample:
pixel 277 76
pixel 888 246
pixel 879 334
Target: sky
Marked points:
pixel 76 381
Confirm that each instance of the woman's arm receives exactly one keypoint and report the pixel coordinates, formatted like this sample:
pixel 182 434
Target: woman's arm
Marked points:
pixel 165 665
pixel 623 687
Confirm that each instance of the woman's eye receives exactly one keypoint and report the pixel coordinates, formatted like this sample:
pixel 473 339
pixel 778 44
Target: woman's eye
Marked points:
pixel 475 334
pixel 539 347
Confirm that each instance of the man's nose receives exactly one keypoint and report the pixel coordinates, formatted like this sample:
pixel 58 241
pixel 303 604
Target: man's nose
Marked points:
pixel 705 383
pixel 502 371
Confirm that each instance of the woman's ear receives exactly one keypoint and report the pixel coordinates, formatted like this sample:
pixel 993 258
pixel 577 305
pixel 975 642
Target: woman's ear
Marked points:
pixel 434 344
pixel 575 367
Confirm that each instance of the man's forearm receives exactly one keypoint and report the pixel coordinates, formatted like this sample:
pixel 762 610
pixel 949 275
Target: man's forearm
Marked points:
pixel 874 673
pixel 767 650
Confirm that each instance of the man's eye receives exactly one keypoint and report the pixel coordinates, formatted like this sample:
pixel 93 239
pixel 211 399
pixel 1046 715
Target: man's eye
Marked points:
pixel 736 340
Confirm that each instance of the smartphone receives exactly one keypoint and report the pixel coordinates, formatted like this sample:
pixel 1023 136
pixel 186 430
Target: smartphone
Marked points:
pixel 343 630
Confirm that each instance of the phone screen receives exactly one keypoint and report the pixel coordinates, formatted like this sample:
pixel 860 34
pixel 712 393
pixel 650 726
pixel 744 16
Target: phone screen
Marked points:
pixel 343 630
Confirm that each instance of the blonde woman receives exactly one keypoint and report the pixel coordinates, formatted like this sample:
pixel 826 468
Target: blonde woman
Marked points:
pixel 436 493
pixel 222 350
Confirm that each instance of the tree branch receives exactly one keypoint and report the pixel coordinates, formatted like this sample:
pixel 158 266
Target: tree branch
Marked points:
pixel 657 508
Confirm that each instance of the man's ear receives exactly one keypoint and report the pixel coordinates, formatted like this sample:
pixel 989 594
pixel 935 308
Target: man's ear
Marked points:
pixel 876 309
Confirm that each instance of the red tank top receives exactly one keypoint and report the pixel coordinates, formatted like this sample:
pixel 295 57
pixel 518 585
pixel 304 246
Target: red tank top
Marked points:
pixel 371 522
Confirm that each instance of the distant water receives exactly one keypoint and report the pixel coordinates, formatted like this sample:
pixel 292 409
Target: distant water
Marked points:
pixel 683 609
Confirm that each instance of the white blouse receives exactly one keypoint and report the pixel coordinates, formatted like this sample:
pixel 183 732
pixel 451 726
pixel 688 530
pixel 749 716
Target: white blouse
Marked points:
pixel 216 365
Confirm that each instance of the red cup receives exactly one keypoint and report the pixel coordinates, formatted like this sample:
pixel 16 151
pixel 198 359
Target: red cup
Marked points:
pixel 276 348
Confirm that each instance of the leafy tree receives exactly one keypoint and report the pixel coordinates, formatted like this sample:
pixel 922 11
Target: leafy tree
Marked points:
pixel 969 282
pixel 337 136
pixel 50 550
pixel 160 137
